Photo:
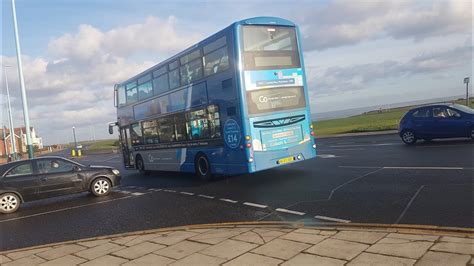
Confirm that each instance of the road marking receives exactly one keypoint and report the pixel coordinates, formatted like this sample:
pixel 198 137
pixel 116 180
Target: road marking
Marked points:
pixel 138 194
pixel 229 200
pixel 409 204
pixel 205 196
pixel 353 149
pixel 423 167
pixel 326 156
pixel 186 193
pixel 404 167
pixel 155 189
pixel 358 167
pixel 365 145
pixel 64 209
pixel 290 211
pixel 255 205
pixel 350 181
pixel 331 219
pixel 169 190
pixel 124 191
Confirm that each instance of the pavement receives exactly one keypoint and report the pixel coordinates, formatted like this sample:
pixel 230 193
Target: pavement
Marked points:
pixel 360 179
pixel 261 244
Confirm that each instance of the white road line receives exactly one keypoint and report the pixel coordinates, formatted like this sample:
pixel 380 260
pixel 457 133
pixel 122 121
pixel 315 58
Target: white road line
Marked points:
pixel 229 200
pixel 358 167
pixel 205 196
pixel 138 194
pixel 423 167
pixel 255 205
pixel 124 191
pixel 169 190
pixel 409 204
pixel 326 156
pixel 186 193
pixel 64 209
pixel 331 219
pixel 365 145
pixel 155 189
pixel 404 167
pixel 290 211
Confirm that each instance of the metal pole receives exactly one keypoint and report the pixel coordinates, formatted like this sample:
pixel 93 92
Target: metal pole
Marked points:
pixel 467 94
pixel 26 116
pixel 4 139
pixel 74 133
pixel 10 118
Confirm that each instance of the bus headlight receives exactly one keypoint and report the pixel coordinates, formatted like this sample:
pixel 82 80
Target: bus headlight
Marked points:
pixel 250 160
pixel 299 157
pixel 314 146
pixel 116 172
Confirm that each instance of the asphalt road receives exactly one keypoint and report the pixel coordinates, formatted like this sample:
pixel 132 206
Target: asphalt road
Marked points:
pixel 369 179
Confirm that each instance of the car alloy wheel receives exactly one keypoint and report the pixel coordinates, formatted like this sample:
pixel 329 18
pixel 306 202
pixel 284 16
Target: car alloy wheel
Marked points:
pixel 101 187
pixel 9 203
pixel 408 137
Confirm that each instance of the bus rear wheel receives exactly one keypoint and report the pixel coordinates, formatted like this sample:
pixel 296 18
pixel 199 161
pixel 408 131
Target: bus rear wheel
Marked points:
pixel 202 167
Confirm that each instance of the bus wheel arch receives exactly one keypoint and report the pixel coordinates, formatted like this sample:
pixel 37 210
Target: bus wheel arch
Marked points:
pixel 202 166
pixel 140 165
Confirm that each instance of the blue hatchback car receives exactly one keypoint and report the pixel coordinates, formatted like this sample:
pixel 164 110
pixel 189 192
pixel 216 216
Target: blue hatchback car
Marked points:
pixel 437 121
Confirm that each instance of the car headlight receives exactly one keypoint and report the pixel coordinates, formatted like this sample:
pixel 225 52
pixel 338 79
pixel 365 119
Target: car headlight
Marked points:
pixel 116 172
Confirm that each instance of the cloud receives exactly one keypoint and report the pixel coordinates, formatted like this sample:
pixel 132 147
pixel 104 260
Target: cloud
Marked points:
pixel 154 35
pixel 343 23
pixel 73 84
pixel 356 77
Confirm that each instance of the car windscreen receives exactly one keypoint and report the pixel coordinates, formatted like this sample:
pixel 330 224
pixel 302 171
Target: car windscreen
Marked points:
pixel 464 108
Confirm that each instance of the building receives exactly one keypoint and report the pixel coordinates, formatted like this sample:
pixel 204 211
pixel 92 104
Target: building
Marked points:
pixel 20 140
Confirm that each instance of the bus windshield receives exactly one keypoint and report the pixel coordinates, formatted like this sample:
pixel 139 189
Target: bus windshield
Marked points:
pixel 270 47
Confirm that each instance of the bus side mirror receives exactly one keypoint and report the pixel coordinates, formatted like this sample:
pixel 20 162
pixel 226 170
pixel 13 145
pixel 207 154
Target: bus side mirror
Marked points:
pixel 111 129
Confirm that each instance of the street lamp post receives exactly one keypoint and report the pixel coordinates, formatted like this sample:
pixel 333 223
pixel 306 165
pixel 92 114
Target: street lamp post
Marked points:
pixel 466 81
pixel 74 134
pixel 10 118
pixel 26 116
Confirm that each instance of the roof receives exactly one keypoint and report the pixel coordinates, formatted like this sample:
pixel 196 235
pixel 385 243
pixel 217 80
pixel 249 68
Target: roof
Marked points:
pixel 248 21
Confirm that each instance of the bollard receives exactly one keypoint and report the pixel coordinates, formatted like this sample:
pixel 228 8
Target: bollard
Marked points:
pixel 73 153
pixel 79 153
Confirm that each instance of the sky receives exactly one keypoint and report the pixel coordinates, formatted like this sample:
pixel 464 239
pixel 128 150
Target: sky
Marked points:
pixel 357 53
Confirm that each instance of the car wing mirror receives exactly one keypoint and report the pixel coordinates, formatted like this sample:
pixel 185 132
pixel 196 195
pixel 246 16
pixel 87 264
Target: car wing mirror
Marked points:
pixel 76 168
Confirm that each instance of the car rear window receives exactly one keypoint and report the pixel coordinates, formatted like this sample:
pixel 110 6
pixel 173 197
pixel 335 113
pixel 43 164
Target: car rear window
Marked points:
pixel 22 169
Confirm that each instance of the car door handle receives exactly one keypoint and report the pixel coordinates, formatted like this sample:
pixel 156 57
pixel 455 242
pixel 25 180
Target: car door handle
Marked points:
pixel 43 179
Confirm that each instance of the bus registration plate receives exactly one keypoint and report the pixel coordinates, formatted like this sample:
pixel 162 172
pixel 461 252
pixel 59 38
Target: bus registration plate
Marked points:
pixel 286 160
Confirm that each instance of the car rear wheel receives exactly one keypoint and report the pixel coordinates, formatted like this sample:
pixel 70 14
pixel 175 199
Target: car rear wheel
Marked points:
pixel 202 167
pixel 9 202
pixel 101 187
pixel 408 137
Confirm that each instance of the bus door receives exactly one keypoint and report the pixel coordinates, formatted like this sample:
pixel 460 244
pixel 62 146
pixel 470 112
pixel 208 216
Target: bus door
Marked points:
pixel 126 143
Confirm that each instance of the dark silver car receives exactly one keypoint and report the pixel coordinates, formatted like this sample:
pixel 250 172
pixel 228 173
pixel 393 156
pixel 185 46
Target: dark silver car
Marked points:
pixel 51 176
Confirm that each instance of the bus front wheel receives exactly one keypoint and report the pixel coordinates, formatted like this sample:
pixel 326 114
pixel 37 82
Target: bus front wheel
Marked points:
pixel 141 166
pixel 202 167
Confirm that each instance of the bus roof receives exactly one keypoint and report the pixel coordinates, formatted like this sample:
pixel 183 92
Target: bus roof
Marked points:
pixel 249 21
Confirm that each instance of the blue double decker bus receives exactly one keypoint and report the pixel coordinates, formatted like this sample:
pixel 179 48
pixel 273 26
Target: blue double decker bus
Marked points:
pixel 236 102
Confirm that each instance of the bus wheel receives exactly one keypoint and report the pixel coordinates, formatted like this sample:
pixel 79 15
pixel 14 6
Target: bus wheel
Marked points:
pixel 141 166
pixel 202 167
